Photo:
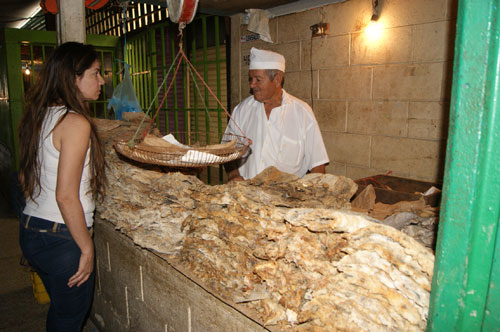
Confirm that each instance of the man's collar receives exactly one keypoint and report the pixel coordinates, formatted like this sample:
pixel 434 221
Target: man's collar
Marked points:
pixel 285 99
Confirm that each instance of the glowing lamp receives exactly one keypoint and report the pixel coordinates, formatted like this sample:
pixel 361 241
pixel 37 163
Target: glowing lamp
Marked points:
pixel 374 30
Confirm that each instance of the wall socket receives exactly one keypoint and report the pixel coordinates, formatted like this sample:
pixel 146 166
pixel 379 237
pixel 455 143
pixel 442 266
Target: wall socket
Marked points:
pixel 320 29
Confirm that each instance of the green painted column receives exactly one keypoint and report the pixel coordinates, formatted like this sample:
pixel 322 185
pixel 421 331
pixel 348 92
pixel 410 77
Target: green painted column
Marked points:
pixel 466 285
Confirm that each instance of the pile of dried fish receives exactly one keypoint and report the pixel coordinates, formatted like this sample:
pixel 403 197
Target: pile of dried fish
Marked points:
pixel 286 249
pixel 313 269
pixel 415 218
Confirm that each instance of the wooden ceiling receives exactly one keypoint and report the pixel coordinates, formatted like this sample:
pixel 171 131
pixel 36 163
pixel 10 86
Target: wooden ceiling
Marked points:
pixel 12 11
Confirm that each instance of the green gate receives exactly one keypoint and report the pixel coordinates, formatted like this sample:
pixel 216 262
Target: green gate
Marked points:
pixel 466 285
pixel 22 55
pixel 189 108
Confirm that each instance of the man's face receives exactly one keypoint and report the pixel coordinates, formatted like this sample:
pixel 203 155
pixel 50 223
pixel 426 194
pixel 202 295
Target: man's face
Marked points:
pixel 262 88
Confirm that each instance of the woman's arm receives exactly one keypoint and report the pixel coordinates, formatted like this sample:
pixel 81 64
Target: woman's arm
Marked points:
pixel 71 137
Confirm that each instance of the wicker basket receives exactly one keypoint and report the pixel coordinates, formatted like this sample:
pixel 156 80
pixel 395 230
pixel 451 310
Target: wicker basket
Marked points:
pixel 198 154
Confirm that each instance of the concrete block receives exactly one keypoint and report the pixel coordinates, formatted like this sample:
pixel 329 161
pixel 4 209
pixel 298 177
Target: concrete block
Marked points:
pixel 345 83
pixel 124 267
pixel 327 52
pixel 356 172
pixel 336 168
pixel 295 27
pixel 400 13
pixel 164 296
pixel 104 316
pixel 348 148
pixel 393 46
pixel 347 17
pixel 420 82
pixel 299 84
pixel 167 300
pixel 331 115
pixel 377 118
pixel 273 30
pixel 428 120
pixel 420 158
pixel 291 52
pixel 140 318
pixel 245 63
pixel 434 41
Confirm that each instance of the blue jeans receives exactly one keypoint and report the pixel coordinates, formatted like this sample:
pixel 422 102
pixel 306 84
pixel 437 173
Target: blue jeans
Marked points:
pixel 55 256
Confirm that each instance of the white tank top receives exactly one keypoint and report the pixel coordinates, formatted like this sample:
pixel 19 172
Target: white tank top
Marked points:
pixel 45 205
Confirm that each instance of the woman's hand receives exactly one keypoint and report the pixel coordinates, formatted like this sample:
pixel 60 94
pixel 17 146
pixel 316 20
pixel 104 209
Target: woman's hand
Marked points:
pixel 85 268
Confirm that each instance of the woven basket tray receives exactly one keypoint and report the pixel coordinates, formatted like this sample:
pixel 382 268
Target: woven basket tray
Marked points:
pixel 197 155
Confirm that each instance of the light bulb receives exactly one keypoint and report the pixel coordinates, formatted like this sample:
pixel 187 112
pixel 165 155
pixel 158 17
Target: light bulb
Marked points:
pixel 27 71
pixel 374 30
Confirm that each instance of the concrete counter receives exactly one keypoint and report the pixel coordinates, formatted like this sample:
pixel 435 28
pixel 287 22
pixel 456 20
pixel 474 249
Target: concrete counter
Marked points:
pixel 138 290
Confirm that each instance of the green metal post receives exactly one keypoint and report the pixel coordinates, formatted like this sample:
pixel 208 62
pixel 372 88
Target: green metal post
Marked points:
pixel 194 61
pixel 164 66
pixel 144 67
pixel 153 68
pixel 185 95
pixel 219 110
pixel 32 64
pixel 465 289
pixel 206 94
pixel 16 90
pixel 205 77
pixel 174 78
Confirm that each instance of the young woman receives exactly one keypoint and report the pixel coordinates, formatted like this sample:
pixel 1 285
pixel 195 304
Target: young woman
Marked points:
pixel 61 170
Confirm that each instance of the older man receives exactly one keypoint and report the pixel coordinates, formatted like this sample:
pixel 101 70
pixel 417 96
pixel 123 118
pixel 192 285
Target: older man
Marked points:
pixel 283 129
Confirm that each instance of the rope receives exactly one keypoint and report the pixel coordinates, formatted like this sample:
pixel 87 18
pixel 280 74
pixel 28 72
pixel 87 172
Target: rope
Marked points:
pixel 154 98
pixel 124 29
pixel 161 103
pixel 199 92
pixel 213 94
pixel 191 69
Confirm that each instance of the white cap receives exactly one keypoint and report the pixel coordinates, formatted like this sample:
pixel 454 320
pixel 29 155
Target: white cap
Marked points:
pixel 262 59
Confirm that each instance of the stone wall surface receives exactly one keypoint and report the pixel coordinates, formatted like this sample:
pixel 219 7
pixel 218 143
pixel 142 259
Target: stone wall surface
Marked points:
pixel 382 103
pixel 286 251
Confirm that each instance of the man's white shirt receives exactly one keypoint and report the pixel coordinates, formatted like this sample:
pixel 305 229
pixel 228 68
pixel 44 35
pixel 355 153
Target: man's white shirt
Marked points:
pixel 290 140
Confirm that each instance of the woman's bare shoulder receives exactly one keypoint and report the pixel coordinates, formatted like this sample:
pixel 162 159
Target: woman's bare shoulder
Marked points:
pixel 75 122
pixel 73 128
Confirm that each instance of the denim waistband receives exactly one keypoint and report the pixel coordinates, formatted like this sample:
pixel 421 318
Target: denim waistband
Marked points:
pixel 44 226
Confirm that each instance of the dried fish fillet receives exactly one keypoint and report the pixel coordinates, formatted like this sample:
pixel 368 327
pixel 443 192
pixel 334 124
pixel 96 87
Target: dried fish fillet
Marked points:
pixel 286 249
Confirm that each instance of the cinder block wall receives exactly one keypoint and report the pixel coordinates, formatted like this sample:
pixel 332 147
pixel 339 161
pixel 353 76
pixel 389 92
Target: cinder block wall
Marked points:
pixel 382 105
pixel 139 291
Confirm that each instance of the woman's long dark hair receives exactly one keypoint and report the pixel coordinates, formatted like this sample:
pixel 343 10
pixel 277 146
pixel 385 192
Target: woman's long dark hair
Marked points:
pixel 56 85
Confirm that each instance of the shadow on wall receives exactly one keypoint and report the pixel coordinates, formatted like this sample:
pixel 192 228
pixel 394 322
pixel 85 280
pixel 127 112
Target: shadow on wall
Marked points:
pixel 448 81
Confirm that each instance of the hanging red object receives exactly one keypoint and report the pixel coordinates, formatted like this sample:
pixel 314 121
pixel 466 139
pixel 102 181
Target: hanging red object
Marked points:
pixel 50 6
pixel 182 11
pixel 95 4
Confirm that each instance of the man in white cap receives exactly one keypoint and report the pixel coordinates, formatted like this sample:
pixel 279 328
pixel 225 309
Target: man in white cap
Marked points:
pixel 283 129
